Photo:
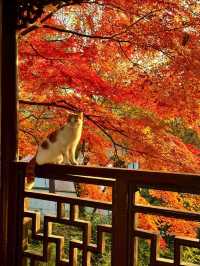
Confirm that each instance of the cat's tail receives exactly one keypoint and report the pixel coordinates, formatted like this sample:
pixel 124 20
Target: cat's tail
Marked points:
pixel 30 173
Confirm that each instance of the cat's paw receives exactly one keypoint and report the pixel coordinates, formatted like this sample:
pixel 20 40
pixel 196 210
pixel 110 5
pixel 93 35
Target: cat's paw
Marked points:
pixel 74 163
pixel 67 163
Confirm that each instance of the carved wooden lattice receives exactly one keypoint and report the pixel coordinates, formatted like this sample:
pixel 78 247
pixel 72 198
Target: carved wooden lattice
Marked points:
pixel 46 237
pixel 124 230
pixel 179 242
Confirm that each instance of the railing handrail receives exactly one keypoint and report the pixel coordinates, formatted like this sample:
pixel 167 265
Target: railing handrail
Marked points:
pixel 168 180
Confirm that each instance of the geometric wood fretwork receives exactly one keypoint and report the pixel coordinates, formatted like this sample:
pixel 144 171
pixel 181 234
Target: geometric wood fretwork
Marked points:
pixel 46 237
pixel 154 248
pixel 180 241
pixel 154 243
pixel 124 231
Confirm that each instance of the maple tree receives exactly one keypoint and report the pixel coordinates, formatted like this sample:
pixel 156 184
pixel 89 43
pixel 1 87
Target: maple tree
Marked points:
pixel 132 68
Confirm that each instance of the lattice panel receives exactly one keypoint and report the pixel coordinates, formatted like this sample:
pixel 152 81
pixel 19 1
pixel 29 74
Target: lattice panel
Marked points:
pixel 46 237
pixel 125 231
pixel 154 248
pixel 153 238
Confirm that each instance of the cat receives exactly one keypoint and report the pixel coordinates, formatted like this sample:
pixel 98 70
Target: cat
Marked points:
pixel 59 147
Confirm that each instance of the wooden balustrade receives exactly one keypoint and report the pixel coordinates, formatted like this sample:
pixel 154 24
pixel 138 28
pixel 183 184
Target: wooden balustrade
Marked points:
pixel 123 230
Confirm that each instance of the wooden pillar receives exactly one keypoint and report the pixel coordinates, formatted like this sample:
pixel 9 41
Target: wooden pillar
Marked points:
pixel 1 205
pixel 10 187
pixel 121 224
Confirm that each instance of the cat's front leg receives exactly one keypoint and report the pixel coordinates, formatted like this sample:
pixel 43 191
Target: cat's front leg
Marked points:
pixel 66 157
pixel 72 152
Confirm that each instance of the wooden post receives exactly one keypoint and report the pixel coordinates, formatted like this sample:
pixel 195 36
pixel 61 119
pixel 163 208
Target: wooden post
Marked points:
pixel 121 224
pixel 9 183
pixel 52 188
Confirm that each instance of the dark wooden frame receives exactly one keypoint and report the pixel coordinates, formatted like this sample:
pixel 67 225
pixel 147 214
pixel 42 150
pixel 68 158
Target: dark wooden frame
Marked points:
pixel 9 192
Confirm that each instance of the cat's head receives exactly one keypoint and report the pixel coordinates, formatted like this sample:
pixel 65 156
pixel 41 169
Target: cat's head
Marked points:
pixel 75 119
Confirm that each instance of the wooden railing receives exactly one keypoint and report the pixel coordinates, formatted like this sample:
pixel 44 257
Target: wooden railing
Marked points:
pixel 124 230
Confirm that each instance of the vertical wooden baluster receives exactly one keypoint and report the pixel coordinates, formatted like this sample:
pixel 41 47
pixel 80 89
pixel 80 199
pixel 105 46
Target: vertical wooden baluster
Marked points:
pixel 52 188
pixel 86 240
pixel 32 263
pixel 100 240
pixel 135 251
pixel 153 250
pixel 73 255
pixel 60 251
pixel 134 224
pixel 177 253
pixel 74 212
pixel 73 252
pixel 47 231
pixel 60 210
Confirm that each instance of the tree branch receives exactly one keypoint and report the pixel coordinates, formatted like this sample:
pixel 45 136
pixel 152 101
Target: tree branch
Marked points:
pixel 80 34
pixel 31 134
pixel 70 107
pixel 46 17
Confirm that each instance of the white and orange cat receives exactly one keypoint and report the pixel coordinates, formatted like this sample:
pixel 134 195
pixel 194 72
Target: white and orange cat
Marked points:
pixel 59 147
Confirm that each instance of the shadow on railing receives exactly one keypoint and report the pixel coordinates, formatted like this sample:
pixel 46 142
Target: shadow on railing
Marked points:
pixel 121 230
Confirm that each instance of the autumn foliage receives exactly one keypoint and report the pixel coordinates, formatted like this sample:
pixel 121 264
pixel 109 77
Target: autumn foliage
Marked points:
pixel 133 68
